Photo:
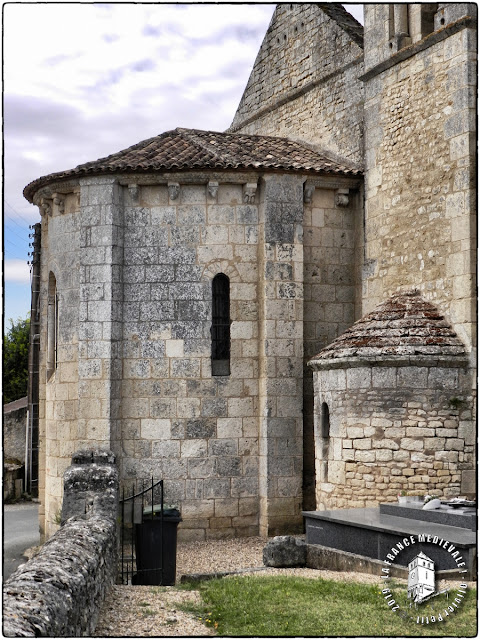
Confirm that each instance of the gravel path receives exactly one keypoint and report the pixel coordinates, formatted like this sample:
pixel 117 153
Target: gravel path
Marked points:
pixel 139 611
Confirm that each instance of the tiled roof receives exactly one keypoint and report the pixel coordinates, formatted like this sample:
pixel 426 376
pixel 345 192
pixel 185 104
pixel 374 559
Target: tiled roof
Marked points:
pixel 183 149
pixel 404 325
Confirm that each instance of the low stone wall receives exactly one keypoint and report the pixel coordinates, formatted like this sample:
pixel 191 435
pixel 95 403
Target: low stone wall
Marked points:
pixel 59 592
pixel 14 425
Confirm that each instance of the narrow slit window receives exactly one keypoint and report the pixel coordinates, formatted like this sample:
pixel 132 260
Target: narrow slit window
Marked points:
pixel 52 327
pixel 221 325
pixel 325 421
pixel 324 448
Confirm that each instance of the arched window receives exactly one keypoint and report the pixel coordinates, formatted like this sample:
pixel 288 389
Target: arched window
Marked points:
pixel 52 326
pixel 220 325
pixel 324 442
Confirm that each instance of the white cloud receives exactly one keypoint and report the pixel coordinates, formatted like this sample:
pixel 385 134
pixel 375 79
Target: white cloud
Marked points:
pixel 84 80
pixel 16 271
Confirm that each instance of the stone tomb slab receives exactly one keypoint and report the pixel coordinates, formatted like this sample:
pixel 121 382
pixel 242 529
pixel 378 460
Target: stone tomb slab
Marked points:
pixel 462 517
pixel 370 533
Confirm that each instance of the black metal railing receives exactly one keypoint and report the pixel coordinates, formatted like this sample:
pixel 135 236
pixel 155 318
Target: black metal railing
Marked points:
pixel 135 568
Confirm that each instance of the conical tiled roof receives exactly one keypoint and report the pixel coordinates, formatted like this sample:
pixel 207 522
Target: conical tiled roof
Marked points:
pixel 183 149
pixel 404 325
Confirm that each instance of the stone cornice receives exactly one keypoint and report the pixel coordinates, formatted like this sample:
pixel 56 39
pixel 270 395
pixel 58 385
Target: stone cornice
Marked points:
pixel 194 177
pixel 333 182
pixel 389 361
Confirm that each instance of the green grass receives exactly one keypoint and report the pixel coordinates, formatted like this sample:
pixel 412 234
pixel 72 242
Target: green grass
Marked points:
pixel 289 606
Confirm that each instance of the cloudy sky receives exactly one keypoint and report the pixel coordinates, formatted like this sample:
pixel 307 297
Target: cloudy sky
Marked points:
pixel 82 81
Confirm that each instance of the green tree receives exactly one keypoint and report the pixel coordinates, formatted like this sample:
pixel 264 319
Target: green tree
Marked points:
pixel 15 360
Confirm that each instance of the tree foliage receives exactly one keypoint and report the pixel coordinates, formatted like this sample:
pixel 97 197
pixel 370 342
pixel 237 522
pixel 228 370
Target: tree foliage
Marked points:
pixel 15 360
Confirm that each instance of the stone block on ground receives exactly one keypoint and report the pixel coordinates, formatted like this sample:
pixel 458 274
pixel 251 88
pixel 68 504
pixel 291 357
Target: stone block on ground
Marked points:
pixel 285 551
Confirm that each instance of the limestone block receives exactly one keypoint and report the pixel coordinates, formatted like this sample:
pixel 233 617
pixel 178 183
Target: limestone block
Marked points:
pixel 155 428
pixel 455 444
pixel 221 214
pixel 185 367
pixel 166 449
pixel 228 466
pixel 385 444
pixel 384 377
pixel 411 444
pixel 412 377
pixel 355 432
pixel 216 488
pixel 466 430
pixel 229 427
pixel 198 509
pixel 459 148
pixel 359 378
pixel 201 467
pixel 244 487
pixel 239 407
pixel 446 456
pixel 86 369
pixel 223 447
pixel 247 506
pixel 417 432
pixel 364 456
pixel 285 551
pixel 289 487
pixel 226 507
pixel 336 472
pixel 219 523
pixel 193 448
pixel 468 485
pixel 362 443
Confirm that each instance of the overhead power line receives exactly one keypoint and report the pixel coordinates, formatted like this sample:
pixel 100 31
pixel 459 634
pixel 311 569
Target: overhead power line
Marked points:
pixel 13 255
pixel 12 219
pixel 17 213
pixel 15 234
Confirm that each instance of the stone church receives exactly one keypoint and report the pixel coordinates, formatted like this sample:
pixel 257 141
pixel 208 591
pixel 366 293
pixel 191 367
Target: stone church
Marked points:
pixel 280 316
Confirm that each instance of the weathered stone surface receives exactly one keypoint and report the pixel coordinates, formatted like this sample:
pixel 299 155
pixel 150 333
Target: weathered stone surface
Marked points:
pixel 59 592
pixel 285 551
pixel 280 97
pixel 309 246
pixel 396 431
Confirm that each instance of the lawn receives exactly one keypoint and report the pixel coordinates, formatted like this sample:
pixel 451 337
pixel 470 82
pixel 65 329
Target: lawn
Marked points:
pixel 292 606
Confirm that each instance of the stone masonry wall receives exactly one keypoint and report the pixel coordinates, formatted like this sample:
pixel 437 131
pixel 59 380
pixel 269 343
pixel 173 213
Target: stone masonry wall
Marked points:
pixel 59 592
pixel 281 295
pixel 420 173
pixel 197 431
pixel 304 83
pixel 331 274
pixel 136 374
pixel 58 395
pixel 393 428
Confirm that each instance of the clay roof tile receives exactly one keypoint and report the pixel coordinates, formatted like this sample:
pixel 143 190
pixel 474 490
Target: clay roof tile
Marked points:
pixel 183 149
pixel 405 324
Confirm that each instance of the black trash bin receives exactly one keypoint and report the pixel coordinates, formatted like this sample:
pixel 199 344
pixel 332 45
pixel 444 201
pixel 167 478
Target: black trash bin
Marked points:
pixel 156 562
